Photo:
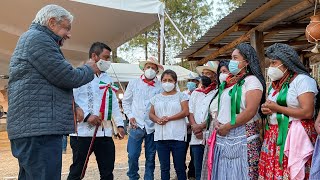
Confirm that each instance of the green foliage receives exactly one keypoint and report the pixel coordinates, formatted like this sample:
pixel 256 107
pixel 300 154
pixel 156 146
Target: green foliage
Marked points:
pixel 192 17
pixel 237 2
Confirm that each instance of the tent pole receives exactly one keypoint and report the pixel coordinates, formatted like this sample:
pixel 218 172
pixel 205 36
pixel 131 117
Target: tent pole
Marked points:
pixel 123 90
pixel 174 25
pixel 161 39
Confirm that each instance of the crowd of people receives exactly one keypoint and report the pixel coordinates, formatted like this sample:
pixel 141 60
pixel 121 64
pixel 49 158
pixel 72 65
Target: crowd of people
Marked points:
pixel 235 126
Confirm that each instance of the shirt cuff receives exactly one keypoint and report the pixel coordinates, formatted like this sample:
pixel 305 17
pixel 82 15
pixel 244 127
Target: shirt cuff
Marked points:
pixel 119 122
pixel 86 117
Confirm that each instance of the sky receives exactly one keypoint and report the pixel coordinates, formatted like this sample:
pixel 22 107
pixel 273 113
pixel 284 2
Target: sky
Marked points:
pixel 136 54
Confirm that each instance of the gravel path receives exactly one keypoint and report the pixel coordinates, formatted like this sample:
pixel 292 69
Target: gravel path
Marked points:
pixel 9 165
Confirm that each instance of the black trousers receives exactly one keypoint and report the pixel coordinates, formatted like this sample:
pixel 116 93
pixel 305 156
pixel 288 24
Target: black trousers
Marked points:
pixel 104 151
pixel 191 169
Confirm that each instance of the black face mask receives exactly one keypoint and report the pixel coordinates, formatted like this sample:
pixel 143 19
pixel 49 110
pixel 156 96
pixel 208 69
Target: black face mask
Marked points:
pixel 205 81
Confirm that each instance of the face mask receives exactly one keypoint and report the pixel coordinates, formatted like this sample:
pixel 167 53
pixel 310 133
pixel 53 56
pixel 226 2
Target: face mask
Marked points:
pixel 275 73
pixel 103 65
pixel 191 86
pixel 234 67
pixel 223 77
pixel 150 73
pixel 168 86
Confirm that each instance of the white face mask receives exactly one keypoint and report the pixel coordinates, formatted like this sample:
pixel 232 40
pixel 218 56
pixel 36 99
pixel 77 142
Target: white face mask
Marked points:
pixel 275 73
pixel 150 73
pixel 167 86
pixel 103 65
pixel 223 77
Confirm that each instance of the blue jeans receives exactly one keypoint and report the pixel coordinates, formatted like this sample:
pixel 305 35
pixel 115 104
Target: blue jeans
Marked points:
pixel 64 142
pixel 136 137
pixel 178 153
pixel 197 152
pixel 39 157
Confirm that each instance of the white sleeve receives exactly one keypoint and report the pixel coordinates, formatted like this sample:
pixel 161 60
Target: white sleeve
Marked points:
pixel 183 97
pixel 127 100
pixel 117 116
pixel 252 83
pixel 191 102
pixel 214 105
pixel 153 100
pixel 304 84
pixel 79 101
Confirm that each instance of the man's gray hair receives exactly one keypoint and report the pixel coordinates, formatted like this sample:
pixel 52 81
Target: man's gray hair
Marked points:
pixel 52 11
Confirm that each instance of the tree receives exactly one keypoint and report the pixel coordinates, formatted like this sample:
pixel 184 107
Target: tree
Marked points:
pixel 192 17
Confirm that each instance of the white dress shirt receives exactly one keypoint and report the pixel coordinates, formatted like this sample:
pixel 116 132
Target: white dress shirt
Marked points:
pixel 199 106
pixel 136 102
pixel 89 97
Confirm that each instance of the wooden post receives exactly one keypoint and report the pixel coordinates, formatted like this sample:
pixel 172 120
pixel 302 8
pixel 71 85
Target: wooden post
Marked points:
pixel 234 27
pixel 305 60
pixel 256 41
pixel 115 55
pixel 146 45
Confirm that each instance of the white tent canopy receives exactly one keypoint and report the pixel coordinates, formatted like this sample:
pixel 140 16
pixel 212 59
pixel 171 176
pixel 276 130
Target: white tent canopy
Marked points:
pixel 127 72
pixel 113 22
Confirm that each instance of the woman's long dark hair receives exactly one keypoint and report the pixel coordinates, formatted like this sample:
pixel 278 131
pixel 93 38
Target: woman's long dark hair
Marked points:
pixel 253 68
pixel 290 58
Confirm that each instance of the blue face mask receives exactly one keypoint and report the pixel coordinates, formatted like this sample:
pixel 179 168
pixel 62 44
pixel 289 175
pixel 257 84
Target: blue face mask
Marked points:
pixel 233 67
pixel 191 86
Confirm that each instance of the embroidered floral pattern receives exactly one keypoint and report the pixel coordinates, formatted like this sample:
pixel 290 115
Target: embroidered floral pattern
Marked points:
pixel 253 149
pixel 269 167
pixel 90 102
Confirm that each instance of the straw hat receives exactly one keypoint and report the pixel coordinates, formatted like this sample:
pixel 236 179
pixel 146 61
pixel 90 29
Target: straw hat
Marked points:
pixel 151 60
pixel 193 76
pixel 211 65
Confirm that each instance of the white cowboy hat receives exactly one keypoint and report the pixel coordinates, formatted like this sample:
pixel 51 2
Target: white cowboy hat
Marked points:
pixel 151 60
pixel 211 65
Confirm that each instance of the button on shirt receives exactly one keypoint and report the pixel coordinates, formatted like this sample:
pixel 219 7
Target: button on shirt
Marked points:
pixel 136 102
pixel 198 106
pixel 89 98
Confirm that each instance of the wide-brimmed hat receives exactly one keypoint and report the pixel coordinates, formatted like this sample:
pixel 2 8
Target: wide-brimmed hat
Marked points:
pixel 193 76
pixel 151 60
pixel 211 65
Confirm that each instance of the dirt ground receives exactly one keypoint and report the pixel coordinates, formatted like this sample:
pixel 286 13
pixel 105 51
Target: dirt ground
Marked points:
pixel 9 165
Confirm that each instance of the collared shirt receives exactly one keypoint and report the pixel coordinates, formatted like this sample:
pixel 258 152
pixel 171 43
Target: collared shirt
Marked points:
pixel 89 98
pixel 199 106
pixel 136 102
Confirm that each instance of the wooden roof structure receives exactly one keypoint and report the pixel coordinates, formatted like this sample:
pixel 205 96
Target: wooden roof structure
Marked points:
pixel 260 23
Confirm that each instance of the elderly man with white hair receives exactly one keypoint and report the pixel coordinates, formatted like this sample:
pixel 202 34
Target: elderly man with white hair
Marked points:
pixel 40 94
